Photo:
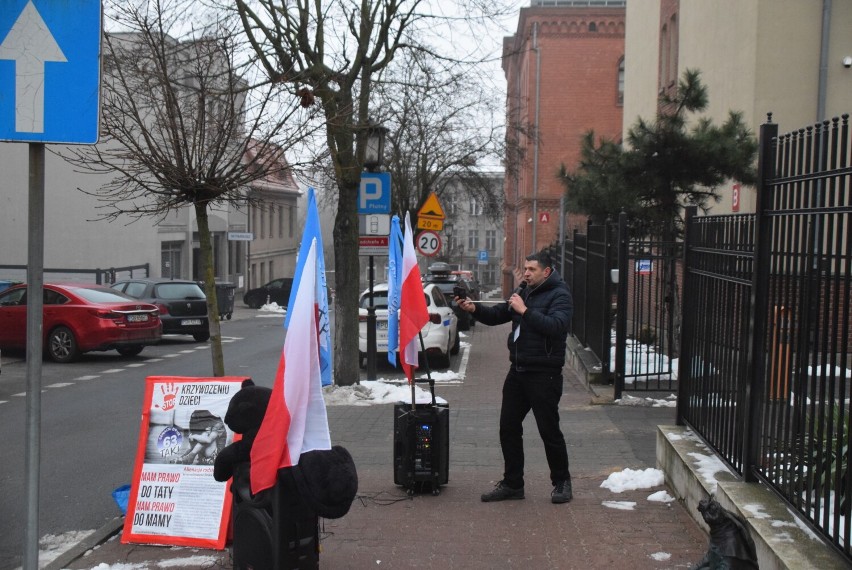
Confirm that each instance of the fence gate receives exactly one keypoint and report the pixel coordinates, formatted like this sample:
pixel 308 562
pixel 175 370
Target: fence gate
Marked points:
pixel 647 323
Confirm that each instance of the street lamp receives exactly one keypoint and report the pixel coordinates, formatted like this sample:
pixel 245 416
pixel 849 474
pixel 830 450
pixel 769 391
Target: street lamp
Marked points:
pixel 374 151
pixel 448 229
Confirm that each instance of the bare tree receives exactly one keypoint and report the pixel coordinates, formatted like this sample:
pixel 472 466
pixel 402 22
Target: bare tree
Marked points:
pixel 334 51
pixel 444 132
pixel 183 125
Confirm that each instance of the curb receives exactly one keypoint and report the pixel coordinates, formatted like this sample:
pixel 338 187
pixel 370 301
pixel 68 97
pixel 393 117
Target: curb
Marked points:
pixel 98 537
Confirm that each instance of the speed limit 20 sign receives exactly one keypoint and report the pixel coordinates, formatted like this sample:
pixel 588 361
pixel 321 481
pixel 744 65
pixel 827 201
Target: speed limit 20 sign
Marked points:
pixel 428 243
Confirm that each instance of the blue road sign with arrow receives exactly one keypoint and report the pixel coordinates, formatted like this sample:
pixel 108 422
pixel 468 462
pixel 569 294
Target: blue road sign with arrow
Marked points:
pixel 50 70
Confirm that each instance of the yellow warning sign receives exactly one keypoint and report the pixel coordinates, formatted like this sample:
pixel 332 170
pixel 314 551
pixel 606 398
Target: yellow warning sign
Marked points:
pixel 431 208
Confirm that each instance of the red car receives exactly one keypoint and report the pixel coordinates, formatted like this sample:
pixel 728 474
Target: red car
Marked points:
pixel 80 317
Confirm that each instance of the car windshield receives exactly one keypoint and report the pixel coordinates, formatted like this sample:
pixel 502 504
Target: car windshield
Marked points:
pixel 100 295
pixel 380 301
pixel 178 291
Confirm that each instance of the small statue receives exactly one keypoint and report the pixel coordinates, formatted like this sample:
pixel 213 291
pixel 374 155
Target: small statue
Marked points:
pixel 731 546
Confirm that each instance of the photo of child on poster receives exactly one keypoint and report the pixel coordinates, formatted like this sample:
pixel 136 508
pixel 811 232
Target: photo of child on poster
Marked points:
pixel 186 434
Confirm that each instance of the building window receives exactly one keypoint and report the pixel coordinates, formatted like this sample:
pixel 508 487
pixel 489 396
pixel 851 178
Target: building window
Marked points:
pixel 170 258
pixel 673 40
pixel 292 220
pixel 491 240
pixel 593 27
pixel 271 221
pixel 281 222
pixel 472 240
pixel 262 228
pixel 620 82
pixel 474 207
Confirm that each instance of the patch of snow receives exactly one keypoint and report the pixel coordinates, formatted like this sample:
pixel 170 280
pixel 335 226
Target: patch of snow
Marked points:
pixel 707 466
pixel 661 497
pixel 630 479
pixel 661 556
pixel 620 505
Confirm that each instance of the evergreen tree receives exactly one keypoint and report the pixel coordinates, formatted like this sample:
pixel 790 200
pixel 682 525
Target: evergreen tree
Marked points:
pixel 666 164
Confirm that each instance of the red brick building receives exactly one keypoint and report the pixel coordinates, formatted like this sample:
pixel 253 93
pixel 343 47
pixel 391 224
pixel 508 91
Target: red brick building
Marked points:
pixel 565 75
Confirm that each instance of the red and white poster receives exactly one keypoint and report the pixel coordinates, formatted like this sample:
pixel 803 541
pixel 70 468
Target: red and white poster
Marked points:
pixel 174 499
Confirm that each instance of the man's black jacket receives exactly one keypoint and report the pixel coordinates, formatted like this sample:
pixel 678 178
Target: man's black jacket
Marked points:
pixel 544 326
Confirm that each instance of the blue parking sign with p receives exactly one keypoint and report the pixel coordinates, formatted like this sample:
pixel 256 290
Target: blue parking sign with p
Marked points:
pixel 374 193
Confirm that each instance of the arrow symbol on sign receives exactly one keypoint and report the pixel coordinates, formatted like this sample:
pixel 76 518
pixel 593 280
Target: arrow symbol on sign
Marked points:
pixel 30 44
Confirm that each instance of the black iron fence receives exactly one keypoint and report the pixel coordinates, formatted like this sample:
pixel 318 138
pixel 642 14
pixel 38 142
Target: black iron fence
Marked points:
pixel 99 276
pixel 766 363
pixel 589 258
pixel 647 321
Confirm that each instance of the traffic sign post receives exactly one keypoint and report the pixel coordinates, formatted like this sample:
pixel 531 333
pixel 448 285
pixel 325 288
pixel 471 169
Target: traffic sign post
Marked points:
pixel 50 78
pixel 428 243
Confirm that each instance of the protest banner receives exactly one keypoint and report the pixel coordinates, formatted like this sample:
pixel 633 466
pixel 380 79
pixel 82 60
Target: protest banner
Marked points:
pixel 174 499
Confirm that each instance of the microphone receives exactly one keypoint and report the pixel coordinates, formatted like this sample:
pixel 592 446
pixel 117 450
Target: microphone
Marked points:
pixel 521 286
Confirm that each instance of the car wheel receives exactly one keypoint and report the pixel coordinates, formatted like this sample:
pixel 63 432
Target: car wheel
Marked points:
pixel 456 344
pixel 61 345
pixel 129 350
pixel 201 337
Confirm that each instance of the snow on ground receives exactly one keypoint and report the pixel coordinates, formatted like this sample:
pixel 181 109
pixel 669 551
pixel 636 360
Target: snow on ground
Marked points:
pixel 370 392
pixel 620 505
pixel 632 479
pixel 627 400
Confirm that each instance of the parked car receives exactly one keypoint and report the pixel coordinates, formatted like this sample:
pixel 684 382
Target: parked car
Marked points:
pixel 277 290
pixel 442 276
pixel 80 318
pixel 182 304
pixel 440 334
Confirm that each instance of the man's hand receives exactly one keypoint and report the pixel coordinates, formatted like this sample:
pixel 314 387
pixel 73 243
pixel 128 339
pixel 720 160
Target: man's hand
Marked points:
pixel 466 304
pixel 516 303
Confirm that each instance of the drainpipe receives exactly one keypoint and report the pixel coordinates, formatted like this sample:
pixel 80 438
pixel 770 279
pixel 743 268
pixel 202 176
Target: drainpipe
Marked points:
pixel 823 59
pixel 536 132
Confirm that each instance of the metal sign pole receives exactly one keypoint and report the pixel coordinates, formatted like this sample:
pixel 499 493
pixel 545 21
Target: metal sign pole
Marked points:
pixel 35 276
pixel 371 329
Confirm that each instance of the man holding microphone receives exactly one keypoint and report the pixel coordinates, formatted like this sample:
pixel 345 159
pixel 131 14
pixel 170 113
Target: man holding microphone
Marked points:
pixel 540 311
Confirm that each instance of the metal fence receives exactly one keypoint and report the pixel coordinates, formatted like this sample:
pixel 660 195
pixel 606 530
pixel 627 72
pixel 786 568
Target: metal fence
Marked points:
pixel 99 276
pixel 766 363
pixel 588 261
pixel 646 340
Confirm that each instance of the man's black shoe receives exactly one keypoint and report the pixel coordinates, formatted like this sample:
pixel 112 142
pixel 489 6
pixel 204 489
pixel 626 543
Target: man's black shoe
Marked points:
pixel 561 492
pixel 502 492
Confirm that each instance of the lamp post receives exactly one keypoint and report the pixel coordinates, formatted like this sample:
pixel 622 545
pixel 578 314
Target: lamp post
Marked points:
pixel 448 230
pixel 374 150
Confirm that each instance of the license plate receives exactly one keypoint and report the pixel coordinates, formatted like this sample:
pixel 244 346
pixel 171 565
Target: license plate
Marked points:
pixel 137 318
pixel 190 322
pixel 381 325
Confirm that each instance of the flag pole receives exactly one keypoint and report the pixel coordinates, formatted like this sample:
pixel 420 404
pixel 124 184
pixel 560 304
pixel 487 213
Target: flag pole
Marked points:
pixel 428 368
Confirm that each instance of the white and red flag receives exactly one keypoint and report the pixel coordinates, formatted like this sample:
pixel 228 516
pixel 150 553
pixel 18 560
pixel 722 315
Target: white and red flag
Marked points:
pixel 296 420
pixel 413 314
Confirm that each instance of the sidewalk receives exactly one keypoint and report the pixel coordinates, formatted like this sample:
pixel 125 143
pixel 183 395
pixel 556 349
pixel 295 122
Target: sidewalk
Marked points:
pixel 385 528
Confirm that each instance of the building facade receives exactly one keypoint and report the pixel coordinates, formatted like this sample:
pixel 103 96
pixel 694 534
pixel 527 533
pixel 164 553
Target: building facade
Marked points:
pixel 564 70
pixel 786 57
pixel 77 237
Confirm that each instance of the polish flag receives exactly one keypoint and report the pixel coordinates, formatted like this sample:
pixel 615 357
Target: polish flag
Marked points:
pixel 413 314
pixel 296 420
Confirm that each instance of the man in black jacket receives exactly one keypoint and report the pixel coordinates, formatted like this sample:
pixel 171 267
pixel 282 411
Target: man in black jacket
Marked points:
pixel 540 311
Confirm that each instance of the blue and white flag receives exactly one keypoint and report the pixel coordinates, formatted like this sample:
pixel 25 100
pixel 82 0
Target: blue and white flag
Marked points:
pixel 394 287
pixel 313 232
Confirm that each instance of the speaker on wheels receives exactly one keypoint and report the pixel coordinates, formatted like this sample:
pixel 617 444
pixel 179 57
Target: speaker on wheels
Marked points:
pixel 421 447
pixel 274 530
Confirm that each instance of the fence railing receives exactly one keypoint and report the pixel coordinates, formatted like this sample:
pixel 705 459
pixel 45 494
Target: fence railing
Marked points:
pixel 99 276
pixel 765 368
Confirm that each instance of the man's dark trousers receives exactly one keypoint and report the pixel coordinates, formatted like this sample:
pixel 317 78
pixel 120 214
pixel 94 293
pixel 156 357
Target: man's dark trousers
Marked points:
pixel 539 391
